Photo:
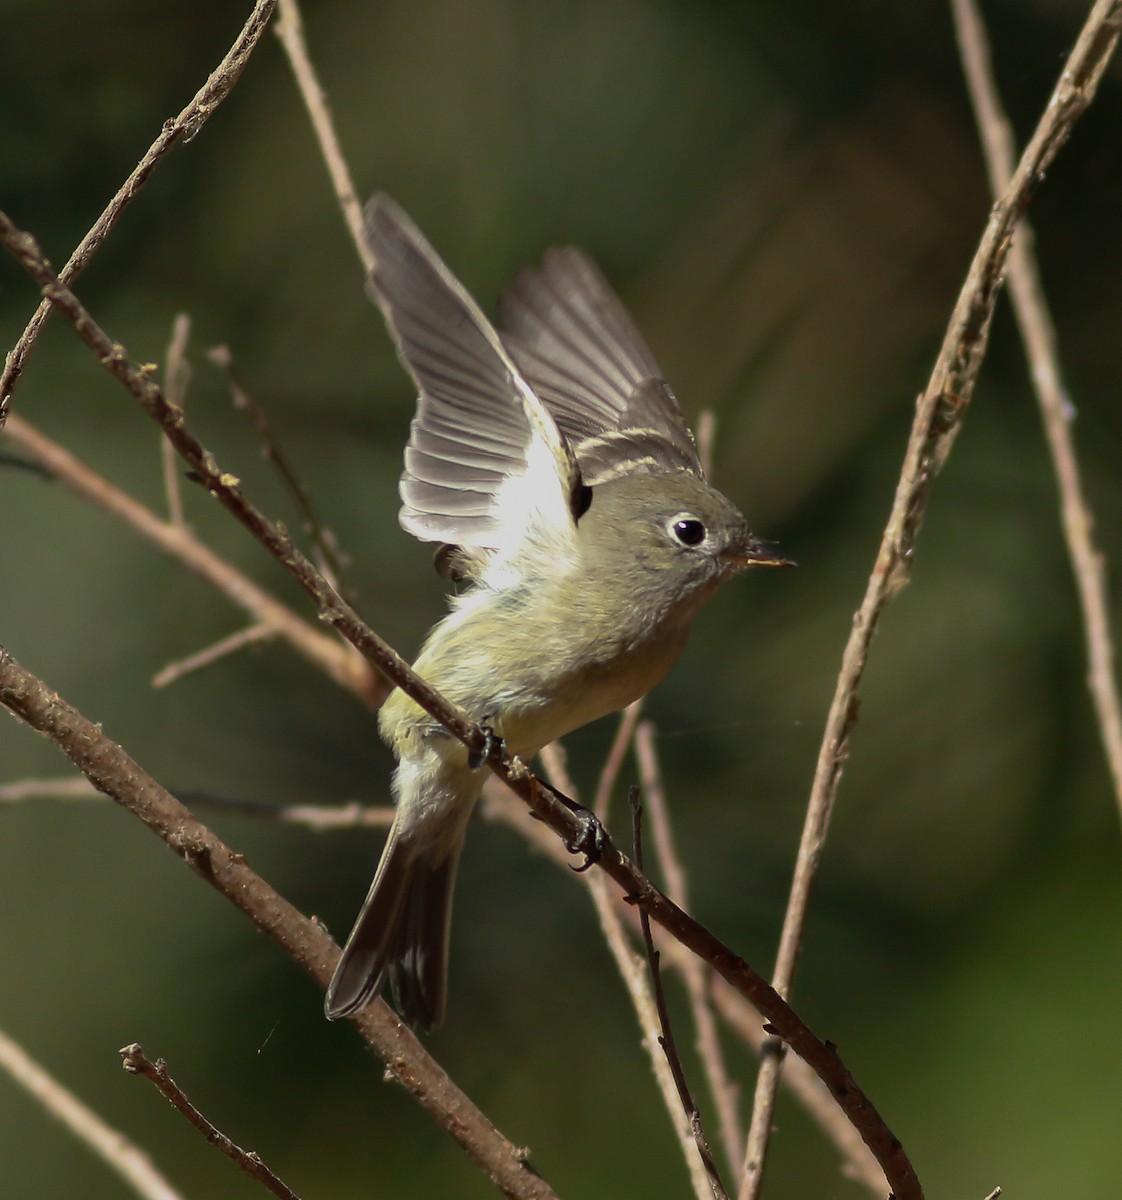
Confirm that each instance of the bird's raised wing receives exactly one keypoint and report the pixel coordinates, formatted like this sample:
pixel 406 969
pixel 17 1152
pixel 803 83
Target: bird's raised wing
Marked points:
pixel 486 464
pixel 579 350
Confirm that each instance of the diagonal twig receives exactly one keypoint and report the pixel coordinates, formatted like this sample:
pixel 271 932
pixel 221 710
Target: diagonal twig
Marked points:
pixel 109 1144
pixel 323 539
pixel 335 658
pixel 183 127
pixel 740 1016
pixel 938 418
pixel 306 942
pixel 1030 309
pixel 136 1062
pixel 611 913
pixel 666 1038
pixel 249 636
pixel 721 1086
pixel 290 30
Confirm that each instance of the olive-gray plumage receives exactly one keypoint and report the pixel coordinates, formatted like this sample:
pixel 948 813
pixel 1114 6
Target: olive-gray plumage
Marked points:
pixel 557 464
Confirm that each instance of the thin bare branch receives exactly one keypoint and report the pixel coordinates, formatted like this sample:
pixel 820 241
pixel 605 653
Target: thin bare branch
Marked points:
pixel 323 540
pixel 319 818
pixel 666 1038
pixel 706 437
pixel 130 1162
pixel 177 376
pixel 69 787
pixel 722 1087
pixel 290 30
pixel 249 636
pixel 306 942
pixel 1034 320
pixel 939 416
pixel 632 967
pixel 184 127
pixel 134 1060
pixel 560 817
pixel 335 658
pixel 743 1019
pixel 617 752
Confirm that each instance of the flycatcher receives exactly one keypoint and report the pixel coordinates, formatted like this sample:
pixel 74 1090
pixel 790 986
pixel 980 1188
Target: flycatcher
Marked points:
pixel 554 468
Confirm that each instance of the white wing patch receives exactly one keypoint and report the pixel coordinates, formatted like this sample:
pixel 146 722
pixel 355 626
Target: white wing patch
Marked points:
pixel 487 468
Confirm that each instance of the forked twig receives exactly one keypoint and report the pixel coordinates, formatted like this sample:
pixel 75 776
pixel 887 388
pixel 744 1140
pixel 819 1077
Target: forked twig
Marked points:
pixel 109 1144
pixel 1030 309
pixel 183 127
pixel 136 1062
pixel 938 418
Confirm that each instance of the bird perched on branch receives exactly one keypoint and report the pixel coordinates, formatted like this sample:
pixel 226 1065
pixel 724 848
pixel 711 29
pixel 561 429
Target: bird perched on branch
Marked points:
pixel 556 472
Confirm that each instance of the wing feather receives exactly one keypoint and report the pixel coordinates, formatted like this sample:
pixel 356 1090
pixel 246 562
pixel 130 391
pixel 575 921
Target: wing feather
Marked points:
pixel 579 350
pixel 486 465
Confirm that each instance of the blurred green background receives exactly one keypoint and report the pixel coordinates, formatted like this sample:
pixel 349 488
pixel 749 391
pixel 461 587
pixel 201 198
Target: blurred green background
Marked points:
pixel 787 196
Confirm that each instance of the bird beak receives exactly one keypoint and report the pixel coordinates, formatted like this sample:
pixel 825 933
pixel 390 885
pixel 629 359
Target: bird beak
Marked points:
pixel 756 554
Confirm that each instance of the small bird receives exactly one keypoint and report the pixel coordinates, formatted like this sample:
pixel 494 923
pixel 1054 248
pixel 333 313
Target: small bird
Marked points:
pixel 556 472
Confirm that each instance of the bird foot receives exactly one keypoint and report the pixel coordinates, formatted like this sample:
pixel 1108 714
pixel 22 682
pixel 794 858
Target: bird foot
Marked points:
pixel 491 742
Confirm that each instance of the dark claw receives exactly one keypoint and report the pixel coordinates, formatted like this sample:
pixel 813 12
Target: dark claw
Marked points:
pixel 491 743
pixel 591 840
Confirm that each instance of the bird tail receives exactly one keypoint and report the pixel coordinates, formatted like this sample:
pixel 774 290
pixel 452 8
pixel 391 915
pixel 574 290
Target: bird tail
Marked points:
pixel 402 932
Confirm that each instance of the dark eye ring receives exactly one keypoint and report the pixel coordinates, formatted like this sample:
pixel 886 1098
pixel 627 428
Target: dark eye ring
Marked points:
pixel 689 531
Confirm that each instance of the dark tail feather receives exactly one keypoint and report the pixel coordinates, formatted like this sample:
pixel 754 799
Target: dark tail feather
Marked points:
pixel 401 931
pixel 418 963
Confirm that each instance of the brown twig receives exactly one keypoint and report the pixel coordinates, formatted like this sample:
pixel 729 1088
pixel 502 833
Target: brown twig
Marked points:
pixel 69 787
pixel 183 127
pixel 938 418
pixel 611 913
pixel 1030 309
pixel 327 558
pixel 136 1062
pixel 335 658
pixel 176 670
pixel 613 763
pixel 306 942
pixel 177 376
pixel 290 30
pixel 109 1144
pixel 721 1086
pixel 225 487
pixel 706 436
pixel 742 1018
pixel 666 1039
pixel 319 818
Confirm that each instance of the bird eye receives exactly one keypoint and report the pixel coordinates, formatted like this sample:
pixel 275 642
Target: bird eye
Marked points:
pixel 688 530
